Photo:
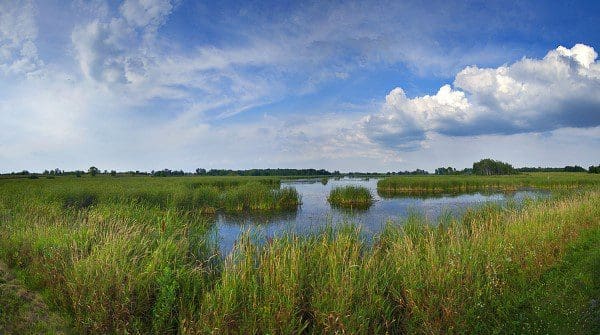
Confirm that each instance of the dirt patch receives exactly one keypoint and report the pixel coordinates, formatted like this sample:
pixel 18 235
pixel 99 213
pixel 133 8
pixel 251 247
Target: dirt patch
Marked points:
pixel 23 311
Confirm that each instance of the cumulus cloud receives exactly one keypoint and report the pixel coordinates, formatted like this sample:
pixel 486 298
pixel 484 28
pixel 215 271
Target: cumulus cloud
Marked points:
pixel 18 32
pixel 530 95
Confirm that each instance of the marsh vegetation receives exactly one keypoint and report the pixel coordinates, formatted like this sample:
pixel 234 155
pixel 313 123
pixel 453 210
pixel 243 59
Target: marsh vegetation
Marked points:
pixel 468 183
pixel 351 196
pixel 137 255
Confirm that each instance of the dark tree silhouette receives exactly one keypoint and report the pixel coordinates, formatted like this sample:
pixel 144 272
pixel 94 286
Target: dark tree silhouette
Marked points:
pixel 93 171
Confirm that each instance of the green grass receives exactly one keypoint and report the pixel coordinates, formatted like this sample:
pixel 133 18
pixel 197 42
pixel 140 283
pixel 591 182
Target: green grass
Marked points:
pixel 566 300
pixel 466 276
pixel 206 195
pixel 132 266
pixel 400 185
pixel 350 197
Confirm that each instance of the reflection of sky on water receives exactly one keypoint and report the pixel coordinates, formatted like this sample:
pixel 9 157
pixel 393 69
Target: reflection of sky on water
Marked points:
pixel 316 212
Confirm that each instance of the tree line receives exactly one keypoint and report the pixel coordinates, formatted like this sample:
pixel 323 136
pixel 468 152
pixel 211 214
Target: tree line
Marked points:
pixel 483 167
pixel 266 172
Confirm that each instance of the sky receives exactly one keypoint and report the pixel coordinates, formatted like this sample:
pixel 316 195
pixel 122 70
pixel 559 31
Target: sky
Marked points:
pixel 350 86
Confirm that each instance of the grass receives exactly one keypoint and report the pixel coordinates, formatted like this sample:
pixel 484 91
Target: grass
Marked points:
pixel 466 276
pixel 567 298
pixel 23 311
pixel 206 195
pixel 350 197
pixel 120 266
pixel 401 185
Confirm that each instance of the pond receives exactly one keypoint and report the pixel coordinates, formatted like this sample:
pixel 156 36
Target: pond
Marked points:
pixel 316 212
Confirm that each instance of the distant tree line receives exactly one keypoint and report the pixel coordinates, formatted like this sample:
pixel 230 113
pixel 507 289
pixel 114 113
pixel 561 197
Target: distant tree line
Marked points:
pixel 444 171
pixel 415 172
pixel 359 174
pixel 266 172
pixel 168 173
pixel 567 168
pixel 483 167
pixel 92 171
pixel 492 167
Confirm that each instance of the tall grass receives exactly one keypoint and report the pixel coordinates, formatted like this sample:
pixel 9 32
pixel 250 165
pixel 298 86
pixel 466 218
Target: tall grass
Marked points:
pixel 350 197
pixel 129 267
pixel 391 186
pixel 202 194
pixel 466 276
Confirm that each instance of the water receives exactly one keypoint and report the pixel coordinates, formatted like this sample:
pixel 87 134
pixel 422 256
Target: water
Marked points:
pixel 316 212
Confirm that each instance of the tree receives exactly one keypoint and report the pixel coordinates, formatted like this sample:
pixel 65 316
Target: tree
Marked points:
pixel 575 168
pixel 113 173
pixel 93 171
pixel 488 167
pixel 445 171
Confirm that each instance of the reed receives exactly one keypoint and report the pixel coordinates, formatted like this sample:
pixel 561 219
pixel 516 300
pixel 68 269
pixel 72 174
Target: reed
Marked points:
pixel 206 195
pixel 350 197
pixel 464 276
pixel 414 185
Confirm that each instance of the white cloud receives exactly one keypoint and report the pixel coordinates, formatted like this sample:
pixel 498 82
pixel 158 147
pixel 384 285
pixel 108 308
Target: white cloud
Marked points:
pixel 409 119
pixel 252 64
pixel 18 32
pixel 530 95
pixel 118 49
pixel 133 99
pixel 103 50
pixel 148 14
pixel 123 54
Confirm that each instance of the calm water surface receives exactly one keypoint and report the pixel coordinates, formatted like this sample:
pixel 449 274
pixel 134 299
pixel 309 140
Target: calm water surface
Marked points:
pixel 316 212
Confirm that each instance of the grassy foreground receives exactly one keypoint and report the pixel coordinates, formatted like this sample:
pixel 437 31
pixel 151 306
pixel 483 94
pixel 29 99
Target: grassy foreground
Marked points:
pixel 23 311
pixel 400 185
pixel 127 267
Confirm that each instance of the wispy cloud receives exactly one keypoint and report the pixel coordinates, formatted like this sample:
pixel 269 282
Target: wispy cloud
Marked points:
pixel 158 83
pixel 18 32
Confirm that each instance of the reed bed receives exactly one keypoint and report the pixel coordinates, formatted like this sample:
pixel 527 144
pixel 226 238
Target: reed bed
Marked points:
pixel 206 195
pixel 133 268
pixel 414 185
pixel 350 197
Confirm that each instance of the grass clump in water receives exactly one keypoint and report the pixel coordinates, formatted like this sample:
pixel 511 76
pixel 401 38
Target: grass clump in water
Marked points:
pixel 259 197
pixel 350 197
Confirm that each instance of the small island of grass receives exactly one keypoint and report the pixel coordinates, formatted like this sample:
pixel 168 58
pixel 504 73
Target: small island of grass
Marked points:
pixel 350 197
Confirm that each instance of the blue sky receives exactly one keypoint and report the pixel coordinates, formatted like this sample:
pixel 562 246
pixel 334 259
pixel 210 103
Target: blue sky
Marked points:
pixel 371 86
